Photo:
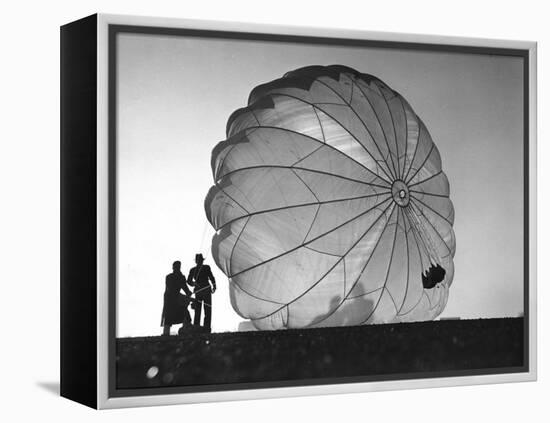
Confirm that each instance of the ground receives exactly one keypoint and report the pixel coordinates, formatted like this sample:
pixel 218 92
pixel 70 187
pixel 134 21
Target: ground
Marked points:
pixel 443 348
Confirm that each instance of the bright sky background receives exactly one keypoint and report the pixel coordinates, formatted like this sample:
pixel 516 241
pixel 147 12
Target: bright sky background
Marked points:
pixel 176 93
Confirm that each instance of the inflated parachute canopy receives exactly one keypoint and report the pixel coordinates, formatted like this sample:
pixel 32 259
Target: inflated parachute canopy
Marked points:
pixel 330 205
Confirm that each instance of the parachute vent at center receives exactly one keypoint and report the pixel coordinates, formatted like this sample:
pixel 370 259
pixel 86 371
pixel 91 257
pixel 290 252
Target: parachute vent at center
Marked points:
pixel 330 205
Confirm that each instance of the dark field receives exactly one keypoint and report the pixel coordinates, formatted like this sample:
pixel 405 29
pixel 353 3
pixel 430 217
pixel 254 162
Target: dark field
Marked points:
pixel 245 357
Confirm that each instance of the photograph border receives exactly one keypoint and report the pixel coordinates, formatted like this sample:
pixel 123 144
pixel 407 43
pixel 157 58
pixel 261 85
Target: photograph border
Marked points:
pixel 108 28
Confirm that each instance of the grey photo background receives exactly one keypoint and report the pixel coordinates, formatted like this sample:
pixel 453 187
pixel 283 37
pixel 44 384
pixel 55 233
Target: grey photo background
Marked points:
pixel 176 93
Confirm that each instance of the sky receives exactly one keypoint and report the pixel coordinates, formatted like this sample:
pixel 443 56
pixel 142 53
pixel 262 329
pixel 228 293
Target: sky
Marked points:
pixel 176 93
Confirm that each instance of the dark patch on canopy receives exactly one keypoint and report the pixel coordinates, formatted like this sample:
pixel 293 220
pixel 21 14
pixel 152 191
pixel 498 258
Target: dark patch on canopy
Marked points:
pixel 432 276
pixel 262 103
pixel 295 81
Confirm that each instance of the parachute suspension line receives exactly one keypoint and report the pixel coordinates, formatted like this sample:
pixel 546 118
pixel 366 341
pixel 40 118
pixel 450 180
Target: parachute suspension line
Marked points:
pixel 204 233
pixel 411 162
pixel 406 137
pixel 423 235
pixel 431 224
pixel 398 170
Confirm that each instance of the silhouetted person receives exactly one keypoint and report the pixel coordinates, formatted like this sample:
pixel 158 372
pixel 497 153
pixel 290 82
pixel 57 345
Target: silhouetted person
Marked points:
pixel 200 277
pixel 175 304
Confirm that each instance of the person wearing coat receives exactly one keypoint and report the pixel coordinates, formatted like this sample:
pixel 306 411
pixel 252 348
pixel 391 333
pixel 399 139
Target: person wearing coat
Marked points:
pixel 175 306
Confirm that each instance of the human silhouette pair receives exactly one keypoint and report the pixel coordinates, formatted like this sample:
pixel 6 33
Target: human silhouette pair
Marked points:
pixel 175 309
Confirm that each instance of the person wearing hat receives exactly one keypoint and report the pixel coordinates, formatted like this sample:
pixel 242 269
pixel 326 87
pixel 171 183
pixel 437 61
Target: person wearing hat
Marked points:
pixel 202 279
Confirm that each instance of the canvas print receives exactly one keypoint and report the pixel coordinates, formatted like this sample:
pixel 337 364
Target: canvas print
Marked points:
pixel 305 213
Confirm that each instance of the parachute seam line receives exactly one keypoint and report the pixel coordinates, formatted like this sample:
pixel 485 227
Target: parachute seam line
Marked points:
pixel 351 93
pixel 235 245
pixel 307 155
pixel 331 269
pixel 375 81
pixel 320 124
pixel 430 193
pixel 408 263
pixel 231 265
pixel 406 138
pixel 428 297
pixel 387 274
pixel 427 179
pixel 312 222
pixel 340 124
pixel 329 103
pixel 431 297
pixel 392 299
pixel 306 185
pixel 313 239
pixel 414 306
pixel 364 294
pixel 227 154
pixel 245 197
pixel 415 148
pixel 329 146
pixel 378 89
pixel 235 201
pixel 322 252
pixel 433 227
pixel 255 117
pixel 246 134
pixel 278 186
pixel 304 169
pixel 364 266
pixel 433 210
pixel 394 131
pixel 310 190
pixel 301 205
pixel 381 127
pixel 344 128
pixel 436 305
pixel 422 165
pixel 344 263
pixel 255 296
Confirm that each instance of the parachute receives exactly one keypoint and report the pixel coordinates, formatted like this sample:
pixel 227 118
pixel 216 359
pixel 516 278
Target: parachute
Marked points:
pixel 330 205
